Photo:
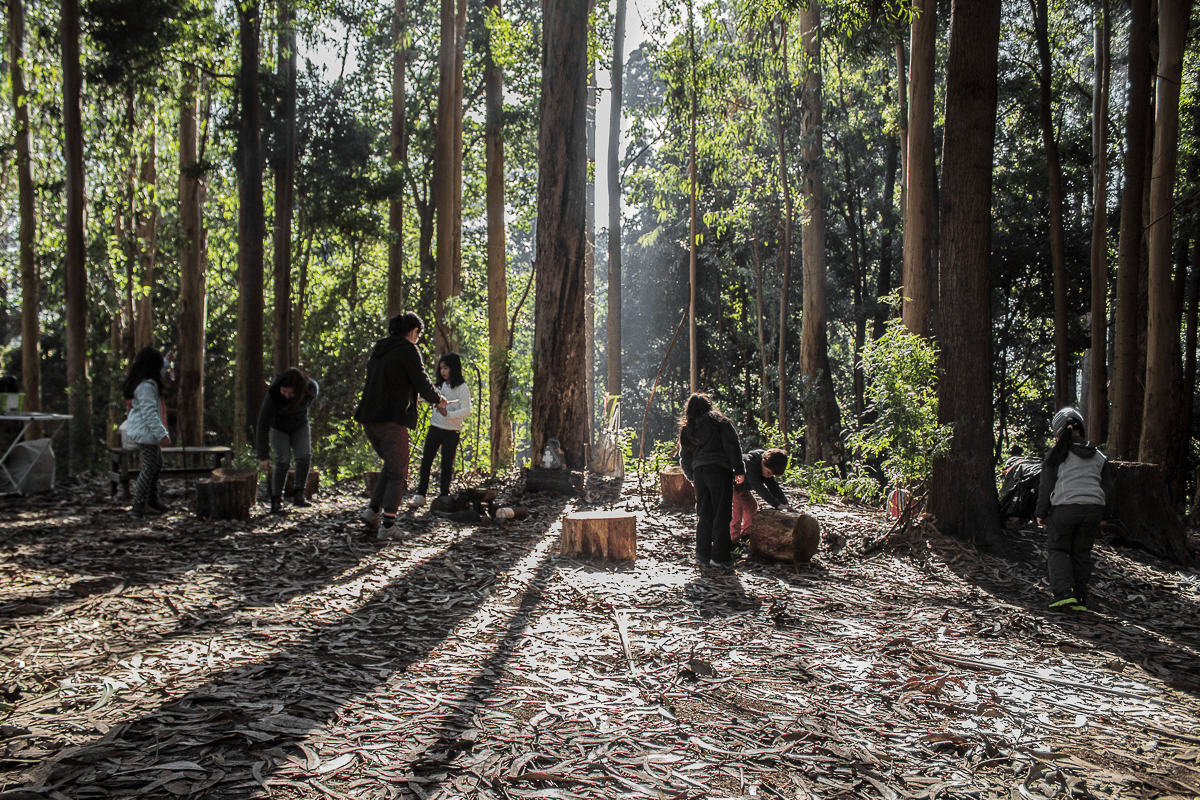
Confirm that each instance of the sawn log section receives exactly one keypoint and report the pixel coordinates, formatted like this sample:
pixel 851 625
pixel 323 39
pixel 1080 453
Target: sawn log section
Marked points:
pixel 784 536
pixel 607 535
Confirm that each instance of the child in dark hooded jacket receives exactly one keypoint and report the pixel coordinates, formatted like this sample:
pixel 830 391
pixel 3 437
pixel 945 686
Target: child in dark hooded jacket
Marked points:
pixel 761 469
pixel 711 457
pixel 1075 494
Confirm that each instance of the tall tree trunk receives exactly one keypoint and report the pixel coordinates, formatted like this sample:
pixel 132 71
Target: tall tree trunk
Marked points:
pixel 443 180
pixel 285 181
pixel 614 202
pixel 397 160
pixel 1122 423
pixel 764 389
pixel 902 96
pixel 781 91
pixel 75 265
pixel 31 359
pixel 589 251
pixel 962 488
pixel 822 420
pixel 1058 252
pixel 693 329
pixel 1192 312
pixel 499 414
pixel 251 212
pixel 919 200
pixel 193 311
pixel 460 46
pixel 1097 410
pixel 559 406
pixel 1162 442
pixel 147 235
pixel 884 286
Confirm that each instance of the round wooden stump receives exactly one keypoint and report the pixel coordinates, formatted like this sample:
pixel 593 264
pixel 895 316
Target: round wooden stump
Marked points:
pixel 607 535
pixel 784 536
pixel 228 494
pixel 676 489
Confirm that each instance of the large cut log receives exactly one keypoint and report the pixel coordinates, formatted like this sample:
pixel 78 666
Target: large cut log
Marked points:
pixel 676 489
pixel 228 494
pixel 1144 514
pixel 311 487
pixel 559 481
pixel 607 535
pixel 784 536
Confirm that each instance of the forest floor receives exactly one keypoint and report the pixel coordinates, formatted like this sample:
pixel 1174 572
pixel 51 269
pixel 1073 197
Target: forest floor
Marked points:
pixel 299 656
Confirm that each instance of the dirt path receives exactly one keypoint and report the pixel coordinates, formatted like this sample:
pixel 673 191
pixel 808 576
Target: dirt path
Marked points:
pixel 302 657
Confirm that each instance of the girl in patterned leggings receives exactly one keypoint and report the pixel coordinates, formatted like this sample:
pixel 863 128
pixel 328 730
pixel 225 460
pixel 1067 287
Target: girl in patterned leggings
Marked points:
pixel 147 425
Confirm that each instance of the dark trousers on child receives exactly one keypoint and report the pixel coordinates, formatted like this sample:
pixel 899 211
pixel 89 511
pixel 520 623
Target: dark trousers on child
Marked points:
pixel 447 440
pixel 714 512
pixel 1070 533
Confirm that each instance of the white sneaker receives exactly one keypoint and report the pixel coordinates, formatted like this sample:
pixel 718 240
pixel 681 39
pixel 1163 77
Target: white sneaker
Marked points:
pixel 416 501
pixel 371 517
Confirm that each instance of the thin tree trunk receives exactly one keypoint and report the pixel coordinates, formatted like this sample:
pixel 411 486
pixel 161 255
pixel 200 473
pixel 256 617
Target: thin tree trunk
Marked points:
pixel 560 408
pixel 781 93
pixel 460 45
pixel 75 264
pixel 1098 388
pixel 589 251
pixel 397 160
pixel 443 180
pixel 693 330
pixel 902 95
pixel 1058 254
pixel 1161 442
pixel 614 202
pixel 31 359
pixel 285 181
pixel 822 420
pixel 146 217
pixel 499 414
pixel 919 199
pixel 251 212
pixel 764 389
pixel 1191 311
pixel 963 486
pixel 884 286
pixel 193 312
pixel 1123 422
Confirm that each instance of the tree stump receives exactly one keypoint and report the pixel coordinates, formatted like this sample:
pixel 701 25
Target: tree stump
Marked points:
pixel 559 481
pixel 1144 513
pixel 228 494
pixel 676 489
pixel 607 535
pixel 784 536
pixel 311 486
pixel 370 478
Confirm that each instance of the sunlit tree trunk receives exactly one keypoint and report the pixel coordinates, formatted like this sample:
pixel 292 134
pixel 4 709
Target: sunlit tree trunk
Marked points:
pixel 614 202
pixel 193 312
pixel 497 269
pixel 1162 442
pixel 443 180
pixel 919 201
pixel 1097 411
pixel 460 46
pixel 962 488
pixel 559 406
pixel 1058 254
pixel 252 230
pixel 1123 422
pixel 285 180
pixel 31 360
pixel 781 92
pixel 764 388
pixel 902 95
pixel 822 421
pixel 589 260
pixel 884 286
pixel 398 160
pixel 693 289
pixel 75 263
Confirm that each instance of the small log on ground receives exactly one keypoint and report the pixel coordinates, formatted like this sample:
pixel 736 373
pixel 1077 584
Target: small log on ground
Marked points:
pixel 607 535
pixel 559 481
pixel 228 494
pixel 784 536
pixel 1144 513
pixel 676 489
pixel 311 487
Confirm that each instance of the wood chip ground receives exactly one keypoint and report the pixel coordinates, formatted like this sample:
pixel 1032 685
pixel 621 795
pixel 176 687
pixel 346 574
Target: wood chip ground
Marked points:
pixel 302 657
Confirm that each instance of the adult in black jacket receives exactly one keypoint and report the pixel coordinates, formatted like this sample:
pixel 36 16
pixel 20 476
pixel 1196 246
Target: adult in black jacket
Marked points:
pixel 388 410
pixel 711 457
pixel 283 425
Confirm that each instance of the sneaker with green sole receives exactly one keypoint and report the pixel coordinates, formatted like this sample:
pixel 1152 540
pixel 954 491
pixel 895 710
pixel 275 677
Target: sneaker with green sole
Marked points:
pixel 1068 603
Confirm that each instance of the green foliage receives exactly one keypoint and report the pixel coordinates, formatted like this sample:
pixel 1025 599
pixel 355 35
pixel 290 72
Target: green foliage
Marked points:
pixel 903 431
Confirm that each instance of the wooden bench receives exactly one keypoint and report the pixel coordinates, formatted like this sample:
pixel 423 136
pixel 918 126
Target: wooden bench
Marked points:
pixel 210 458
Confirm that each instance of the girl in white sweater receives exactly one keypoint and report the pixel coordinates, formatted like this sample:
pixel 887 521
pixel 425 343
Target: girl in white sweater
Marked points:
pixel 445 425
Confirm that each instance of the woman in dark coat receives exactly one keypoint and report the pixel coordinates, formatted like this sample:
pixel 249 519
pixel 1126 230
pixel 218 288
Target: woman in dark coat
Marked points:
pixel 283 424
pixel 711 457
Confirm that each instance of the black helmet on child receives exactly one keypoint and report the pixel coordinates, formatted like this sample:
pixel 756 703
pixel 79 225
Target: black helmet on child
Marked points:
pixel 1066 418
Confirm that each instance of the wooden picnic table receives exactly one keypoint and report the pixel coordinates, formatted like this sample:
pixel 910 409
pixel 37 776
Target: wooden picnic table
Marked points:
pixel 210 458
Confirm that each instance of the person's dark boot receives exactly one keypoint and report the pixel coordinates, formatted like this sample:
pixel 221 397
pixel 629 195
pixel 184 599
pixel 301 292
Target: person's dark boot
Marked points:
pixel 299 500
pixel 276 504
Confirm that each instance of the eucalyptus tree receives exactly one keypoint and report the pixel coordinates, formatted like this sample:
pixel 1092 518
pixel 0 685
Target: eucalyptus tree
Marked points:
pixel 499 415
pixel 252 227
pixel 613 383
pixel 920 177
pixel 1097 410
